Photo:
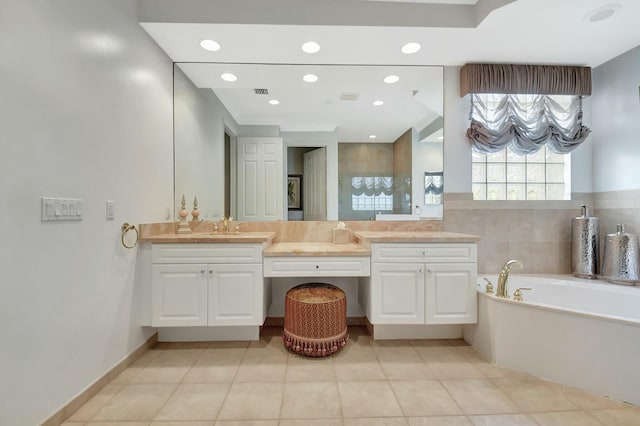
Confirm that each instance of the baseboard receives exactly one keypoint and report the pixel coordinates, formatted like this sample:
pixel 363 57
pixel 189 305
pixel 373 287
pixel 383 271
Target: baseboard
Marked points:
pixel 90 391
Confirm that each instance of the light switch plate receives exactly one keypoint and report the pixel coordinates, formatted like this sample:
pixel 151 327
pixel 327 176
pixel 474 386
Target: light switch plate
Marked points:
pixel 111 210
pixel 60 209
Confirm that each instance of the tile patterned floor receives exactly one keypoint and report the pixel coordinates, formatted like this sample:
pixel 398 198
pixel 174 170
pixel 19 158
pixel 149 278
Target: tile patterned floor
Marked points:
pixel 370 383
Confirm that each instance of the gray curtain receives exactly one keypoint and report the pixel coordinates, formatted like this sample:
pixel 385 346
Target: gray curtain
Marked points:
pixel 372 185
pixel 526 123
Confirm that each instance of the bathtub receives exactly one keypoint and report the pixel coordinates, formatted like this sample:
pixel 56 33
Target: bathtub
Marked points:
pixel 581 333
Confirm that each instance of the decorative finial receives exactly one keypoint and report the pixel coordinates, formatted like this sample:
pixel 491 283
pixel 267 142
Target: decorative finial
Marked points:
pixel 195 213
pixel 183 226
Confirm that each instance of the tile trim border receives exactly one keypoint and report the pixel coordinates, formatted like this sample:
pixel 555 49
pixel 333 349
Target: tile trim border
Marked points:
pixel 90 391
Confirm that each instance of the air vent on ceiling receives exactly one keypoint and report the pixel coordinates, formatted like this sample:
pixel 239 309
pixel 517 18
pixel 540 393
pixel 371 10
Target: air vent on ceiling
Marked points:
pixel 261 91
pixel 349 96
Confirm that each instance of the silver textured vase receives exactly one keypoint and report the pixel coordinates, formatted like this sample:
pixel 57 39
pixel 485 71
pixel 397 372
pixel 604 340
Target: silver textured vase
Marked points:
pixel 585 245
pixel 621 259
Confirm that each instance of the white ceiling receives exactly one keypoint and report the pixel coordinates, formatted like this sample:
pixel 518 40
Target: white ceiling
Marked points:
pixel 522 31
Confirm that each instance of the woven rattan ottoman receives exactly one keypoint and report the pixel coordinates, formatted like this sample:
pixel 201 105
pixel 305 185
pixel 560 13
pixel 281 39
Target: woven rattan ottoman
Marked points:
pixel 315 319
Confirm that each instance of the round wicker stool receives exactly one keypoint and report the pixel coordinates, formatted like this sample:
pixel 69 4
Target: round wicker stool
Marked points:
pixel 315 319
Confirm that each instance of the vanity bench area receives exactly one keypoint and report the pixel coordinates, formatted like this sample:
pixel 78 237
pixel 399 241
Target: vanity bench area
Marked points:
pixel 401 284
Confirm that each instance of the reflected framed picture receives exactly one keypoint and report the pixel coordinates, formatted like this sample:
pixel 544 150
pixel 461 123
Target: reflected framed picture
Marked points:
pixel 294 192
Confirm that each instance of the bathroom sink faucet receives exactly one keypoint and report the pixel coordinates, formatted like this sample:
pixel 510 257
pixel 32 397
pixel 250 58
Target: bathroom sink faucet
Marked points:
pixel 503 288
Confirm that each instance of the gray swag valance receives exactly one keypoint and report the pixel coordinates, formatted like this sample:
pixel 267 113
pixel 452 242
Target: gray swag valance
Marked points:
pixel 526 123
pixel 525 106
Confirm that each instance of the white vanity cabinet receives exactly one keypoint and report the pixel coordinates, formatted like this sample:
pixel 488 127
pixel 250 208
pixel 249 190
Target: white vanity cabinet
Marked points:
pixel 423 283
pixel 207 285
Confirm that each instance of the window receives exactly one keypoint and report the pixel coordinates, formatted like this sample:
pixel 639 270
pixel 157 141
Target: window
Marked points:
pixel 513 157
pixel 505 175
pixel 371 193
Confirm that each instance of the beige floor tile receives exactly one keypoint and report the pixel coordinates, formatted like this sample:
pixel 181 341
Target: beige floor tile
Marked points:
pixel 136 402
pixel 246 423
pixel 170 366
pixel 487 368
pixel 534 395
pixel 618 417
pixel 91 407
pixel 368 399
pixel 503 420
pixel 358 369
pixel 178 423
pixel 588 401
pixel 264 370
pixel 231 344
pixel 314 400
pixel 410 369
pixel 479 396
pixel 311 422
pixel 115 424
pixel 430 343
pixel 71 423
pixel 571 418
pixel 252 401
pixel 439 421
pixel 388 421
pixel 169 346
pixel 215 366
pixel 448 363
pixel 424 398
pixel 194 402
pixel 358 346
pixel 129 373
pixel 304 369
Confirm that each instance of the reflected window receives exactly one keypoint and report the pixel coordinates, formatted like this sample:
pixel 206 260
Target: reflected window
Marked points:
pixel 433 187
pixel 372 193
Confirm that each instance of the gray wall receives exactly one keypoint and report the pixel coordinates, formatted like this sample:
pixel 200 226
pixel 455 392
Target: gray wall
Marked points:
pixel 616 123
pixel 85 112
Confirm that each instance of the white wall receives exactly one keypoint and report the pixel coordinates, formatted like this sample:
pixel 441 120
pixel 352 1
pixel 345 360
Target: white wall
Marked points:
pixel 86 112
pixel 200 121
pixel 616 123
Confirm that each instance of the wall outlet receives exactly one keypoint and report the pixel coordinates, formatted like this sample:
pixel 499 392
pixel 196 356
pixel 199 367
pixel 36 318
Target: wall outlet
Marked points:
pixel 111 210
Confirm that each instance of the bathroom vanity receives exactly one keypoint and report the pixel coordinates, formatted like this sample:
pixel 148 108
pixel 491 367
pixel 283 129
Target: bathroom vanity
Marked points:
pixel 218 286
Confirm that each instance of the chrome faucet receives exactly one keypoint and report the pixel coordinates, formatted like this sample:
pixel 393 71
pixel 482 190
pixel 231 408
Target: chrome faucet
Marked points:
pixel 503 288
pixel 225 225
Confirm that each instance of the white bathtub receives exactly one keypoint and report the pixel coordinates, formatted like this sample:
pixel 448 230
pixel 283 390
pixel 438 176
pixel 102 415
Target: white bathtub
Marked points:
pixel 581 333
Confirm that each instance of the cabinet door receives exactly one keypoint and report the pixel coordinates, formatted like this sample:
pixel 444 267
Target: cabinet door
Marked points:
pixel 179 295
pixel 397 293
pixel 451 293
pixel 235 294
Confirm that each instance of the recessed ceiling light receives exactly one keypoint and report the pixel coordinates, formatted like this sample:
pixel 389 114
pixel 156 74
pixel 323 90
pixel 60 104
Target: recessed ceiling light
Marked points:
pixel 390 79
pixel 378 103
pixel 210 45
pixel 372 136
pixel 603 12
pixel 410 48
pixel 310 78
pixel 227 76
pixel 274 102
pixel 311 47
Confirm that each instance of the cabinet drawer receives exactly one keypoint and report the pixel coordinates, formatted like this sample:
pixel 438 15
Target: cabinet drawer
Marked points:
pixel 317 266
pixel 433 252
pixel 206 253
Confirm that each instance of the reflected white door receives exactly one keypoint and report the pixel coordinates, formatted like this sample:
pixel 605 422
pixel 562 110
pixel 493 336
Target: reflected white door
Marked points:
pixel 315 185
pixel 260 193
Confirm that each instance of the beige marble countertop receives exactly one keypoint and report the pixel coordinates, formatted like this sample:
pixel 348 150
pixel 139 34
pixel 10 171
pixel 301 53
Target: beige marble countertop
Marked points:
pixel 305 248
pixel 204 237
pixel 414 237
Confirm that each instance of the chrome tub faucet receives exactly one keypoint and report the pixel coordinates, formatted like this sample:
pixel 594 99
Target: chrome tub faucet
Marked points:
pixel 503 288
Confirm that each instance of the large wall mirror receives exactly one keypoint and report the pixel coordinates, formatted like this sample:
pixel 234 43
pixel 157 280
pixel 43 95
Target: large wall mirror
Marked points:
pixel 309 142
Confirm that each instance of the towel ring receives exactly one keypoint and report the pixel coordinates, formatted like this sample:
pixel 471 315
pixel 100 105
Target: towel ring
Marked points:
pixel 126 228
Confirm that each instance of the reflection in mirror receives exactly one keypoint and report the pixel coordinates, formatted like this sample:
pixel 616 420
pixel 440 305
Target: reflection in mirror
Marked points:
pixel 360 146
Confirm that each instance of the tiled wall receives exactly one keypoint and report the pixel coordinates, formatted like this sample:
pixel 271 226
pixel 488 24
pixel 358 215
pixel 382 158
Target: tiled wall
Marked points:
pixel 536 233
